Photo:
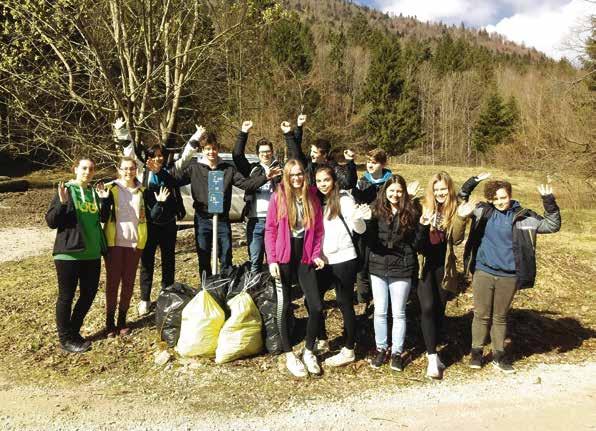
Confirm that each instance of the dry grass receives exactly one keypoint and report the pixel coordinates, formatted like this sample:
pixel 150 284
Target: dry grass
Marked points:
pixel 552 323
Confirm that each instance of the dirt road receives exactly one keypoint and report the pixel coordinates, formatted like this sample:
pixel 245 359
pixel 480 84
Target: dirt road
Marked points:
pixel 548 397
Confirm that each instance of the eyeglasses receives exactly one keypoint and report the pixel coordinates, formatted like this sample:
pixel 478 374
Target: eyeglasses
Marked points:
pixel 265 152
pixel 301 174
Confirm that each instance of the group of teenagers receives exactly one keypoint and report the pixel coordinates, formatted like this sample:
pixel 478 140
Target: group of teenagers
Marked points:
pixel 317 225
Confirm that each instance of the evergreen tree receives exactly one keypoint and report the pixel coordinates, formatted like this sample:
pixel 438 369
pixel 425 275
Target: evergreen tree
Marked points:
pixel 291 45
pixel 496 123
pixel 393 122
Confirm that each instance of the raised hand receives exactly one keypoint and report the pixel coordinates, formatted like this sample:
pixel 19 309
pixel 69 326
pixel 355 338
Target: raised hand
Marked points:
pixel 349 154
pixel 545 189
pixel 362 212
pixel 101 190
pixel 319 263
pixel 274 270
pixel 198 133
pixel 482 176
pixel 301 120
pixel 120 130
pixel 153 165
pixel 163 194
pixel 246 126
pixel 62 193
pixel 426 217
pixel 274 172
pixel 285 127
pixel 465 209
pixel 414 189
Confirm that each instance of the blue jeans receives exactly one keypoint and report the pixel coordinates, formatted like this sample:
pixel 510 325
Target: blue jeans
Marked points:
pixel 255 239
pixel 399 289
pixel 204 236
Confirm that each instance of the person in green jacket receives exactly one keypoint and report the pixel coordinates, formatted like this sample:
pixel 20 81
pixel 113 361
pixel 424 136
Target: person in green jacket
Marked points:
pixel 78 247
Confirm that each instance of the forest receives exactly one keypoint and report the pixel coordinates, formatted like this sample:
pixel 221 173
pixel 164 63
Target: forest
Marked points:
pixel 427 93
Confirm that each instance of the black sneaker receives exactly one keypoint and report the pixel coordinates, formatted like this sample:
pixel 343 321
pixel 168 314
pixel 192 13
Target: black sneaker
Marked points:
pixel 397 363
pixel 500 362
pixel 75 346
pixel 379 359
pixel 475 359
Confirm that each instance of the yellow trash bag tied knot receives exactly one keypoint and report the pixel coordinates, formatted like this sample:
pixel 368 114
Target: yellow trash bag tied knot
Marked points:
pixel 241 334
pixel 202 320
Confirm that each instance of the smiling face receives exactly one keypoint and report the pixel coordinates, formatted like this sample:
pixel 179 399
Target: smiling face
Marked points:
pixel 441 191
pixel 393 193
pixel 296 177
pixel 265 153
pixel 502 200
pixel 157 159
pixel 374 168
pixel 128 171
pixel 84 171
pixel 325 182
pixel 210 151
pixel 316 155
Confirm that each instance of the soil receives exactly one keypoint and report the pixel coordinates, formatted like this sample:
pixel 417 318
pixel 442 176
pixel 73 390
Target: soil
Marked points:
pixel 539 396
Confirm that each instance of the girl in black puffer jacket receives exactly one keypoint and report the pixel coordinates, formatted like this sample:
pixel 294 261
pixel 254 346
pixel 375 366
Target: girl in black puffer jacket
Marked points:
pixel 394 236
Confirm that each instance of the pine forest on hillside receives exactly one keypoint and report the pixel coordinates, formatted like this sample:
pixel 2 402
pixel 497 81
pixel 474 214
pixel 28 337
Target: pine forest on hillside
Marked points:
pixel 430 92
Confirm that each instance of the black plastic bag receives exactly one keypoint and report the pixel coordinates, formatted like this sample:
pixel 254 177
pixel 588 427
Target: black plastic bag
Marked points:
pixel 225 285
pixel 168 314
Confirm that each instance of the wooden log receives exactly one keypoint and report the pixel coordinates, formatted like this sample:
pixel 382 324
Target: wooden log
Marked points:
pixel 14 186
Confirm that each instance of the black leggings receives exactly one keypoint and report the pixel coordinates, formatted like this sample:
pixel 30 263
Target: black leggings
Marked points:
pixel 433 300
pixel 70 273
pixel 163 236
pixel 308 283
pixel 342 277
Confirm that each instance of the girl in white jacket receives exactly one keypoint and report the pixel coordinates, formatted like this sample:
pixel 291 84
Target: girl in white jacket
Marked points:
pixel 341 217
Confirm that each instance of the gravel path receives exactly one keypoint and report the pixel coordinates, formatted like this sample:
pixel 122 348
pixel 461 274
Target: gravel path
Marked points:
pixel 548 397
pixel 20 242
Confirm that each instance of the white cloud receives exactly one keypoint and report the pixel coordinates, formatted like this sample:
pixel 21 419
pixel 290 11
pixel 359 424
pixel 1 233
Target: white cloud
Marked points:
pixel 473 12
pixel 545 27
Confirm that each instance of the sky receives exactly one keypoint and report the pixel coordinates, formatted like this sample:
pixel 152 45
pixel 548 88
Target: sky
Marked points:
pixel 543 24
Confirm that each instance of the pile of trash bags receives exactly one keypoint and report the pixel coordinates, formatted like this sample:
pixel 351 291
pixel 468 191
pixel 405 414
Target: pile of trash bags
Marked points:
pixel 234 315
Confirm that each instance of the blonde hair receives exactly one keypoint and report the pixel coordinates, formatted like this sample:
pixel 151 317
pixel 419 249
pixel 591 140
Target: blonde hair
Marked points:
pixel 448 209
pixel 287 197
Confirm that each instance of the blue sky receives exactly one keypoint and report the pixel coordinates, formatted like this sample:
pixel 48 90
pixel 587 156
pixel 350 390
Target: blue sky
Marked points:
pixel 543 24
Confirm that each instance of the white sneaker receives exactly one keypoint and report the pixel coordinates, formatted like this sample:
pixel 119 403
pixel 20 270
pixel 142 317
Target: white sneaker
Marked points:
pixel 321 346
pixel 345 356
pixel 432 370
pixel 310 361
pixel 143 307
pixel 295 365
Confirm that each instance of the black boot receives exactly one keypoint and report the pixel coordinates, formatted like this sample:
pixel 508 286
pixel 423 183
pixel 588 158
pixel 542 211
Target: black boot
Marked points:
pixel 476 358
pixel 122 328
pixel 501 362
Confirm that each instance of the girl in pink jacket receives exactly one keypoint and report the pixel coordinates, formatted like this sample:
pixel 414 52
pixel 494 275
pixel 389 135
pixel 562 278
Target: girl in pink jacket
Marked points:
pixel 293 235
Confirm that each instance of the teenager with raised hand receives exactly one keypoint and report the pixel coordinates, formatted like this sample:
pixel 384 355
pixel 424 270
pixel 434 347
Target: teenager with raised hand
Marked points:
pixel 501 255
pixel 438 273
pixel 79 244
pixel 125 210
pixel 197 174
pixel 365 192
pixel 394 235
pixel 341 219
pixel 320 152
pixel 257 203
pixel 154 174
pixel 293 237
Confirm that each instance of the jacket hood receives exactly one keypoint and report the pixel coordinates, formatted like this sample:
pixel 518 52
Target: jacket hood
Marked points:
pixel 387 174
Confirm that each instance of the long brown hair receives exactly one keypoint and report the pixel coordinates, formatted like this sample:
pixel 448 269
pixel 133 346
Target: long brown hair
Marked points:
pixel 332 208
pixel 406 210
pixel 287 197
pixel 446 210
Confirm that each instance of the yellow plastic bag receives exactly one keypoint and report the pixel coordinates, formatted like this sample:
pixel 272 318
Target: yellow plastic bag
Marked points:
pixel 241 334
pixel 202 319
